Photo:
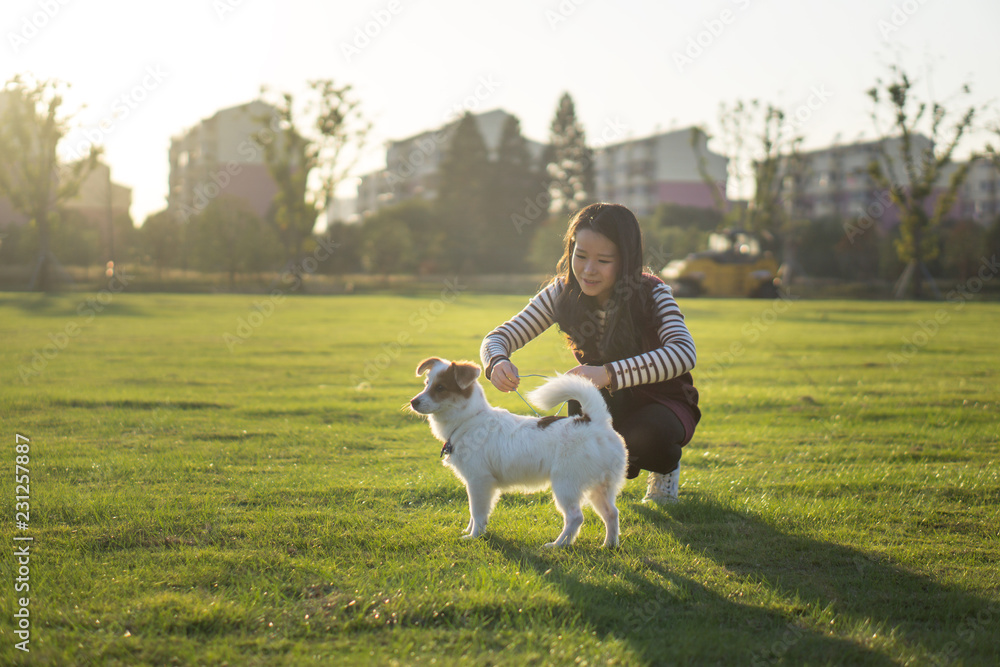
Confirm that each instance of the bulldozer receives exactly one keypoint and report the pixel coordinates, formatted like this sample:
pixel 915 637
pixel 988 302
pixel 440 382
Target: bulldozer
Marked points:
pixel 733 266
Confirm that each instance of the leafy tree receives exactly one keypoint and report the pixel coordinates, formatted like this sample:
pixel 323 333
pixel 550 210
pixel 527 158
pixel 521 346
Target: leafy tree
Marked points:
pixel 307 166
pixel 403 238
pixel 571 165
pixel 76 240
pixel 912 185
pixel 387 246
pixel 993 152
pixel 229 237
pixel 963 249
pixel 764 152
pixel 346 258
pixel 30 175
pixel 675 231
pixel 462 198
pixel 518 202
pixel 161 240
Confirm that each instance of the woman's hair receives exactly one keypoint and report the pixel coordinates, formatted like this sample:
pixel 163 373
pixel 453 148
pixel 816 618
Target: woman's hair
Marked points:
pixel 628 307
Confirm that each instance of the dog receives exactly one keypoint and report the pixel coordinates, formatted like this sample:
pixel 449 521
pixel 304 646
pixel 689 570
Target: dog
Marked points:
pixel 492 450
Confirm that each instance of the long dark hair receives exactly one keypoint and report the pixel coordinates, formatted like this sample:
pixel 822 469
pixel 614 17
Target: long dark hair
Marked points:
pixel 628 307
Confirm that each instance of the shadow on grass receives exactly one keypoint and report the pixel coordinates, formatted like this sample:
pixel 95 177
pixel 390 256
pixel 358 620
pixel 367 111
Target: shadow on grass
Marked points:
pixel 667 617
pixel 936 620
pixel 82 305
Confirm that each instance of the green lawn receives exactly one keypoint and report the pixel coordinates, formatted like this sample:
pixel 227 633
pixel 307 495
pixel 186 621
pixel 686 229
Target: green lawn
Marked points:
pixel 233 479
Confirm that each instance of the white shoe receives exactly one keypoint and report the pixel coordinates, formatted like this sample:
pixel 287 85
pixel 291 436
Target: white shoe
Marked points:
pixel 662 489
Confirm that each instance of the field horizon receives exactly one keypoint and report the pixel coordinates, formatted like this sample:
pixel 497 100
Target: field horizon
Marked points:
pixel 234 479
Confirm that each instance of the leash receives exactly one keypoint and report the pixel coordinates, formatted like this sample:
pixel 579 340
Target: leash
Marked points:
pixel 530 406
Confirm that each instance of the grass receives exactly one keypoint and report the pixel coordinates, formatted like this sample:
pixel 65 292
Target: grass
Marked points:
pixel 206 492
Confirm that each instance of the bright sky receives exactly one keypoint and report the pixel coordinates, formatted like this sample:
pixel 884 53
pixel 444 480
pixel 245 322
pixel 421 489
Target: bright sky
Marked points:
pixel 633 67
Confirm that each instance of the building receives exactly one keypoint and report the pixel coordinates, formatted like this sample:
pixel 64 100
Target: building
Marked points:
pixel 659 169
pixel 834 182
pixel 979 196
pixel 100 198
pixel 223 156
pixel 412 164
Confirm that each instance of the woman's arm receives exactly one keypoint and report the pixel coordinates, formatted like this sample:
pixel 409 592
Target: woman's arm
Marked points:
pixel 516 332
pixel 675 356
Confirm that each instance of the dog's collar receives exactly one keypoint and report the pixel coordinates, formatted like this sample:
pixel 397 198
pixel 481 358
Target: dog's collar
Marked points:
pixel 446 448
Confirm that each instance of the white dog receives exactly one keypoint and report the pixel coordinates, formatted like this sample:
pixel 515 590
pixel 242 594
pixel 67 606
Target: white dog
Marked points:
pixel 492 451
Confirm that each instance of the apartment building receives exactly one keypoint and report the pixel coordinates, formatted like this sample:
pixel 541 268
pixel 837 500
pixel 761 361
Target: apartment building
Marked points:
pixel 659 169
pixel 223 156
pixel 979 197
pixel 412 164
pixel 835 182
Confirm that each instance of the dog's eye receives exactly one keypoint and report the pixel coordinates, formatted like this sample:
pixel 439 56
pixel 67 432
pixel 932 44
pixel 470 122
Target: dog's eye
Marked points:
pixel 439 387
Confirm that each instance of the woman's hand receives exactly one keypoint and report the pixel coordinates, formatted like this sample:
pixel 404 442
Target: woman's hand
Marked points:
pixel 505 376
pixel 598 375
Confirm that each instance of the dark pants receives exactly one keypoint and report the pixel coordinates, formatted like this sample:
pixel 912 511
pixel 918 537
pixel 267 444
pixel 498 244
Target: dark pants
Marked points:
pixel 653 434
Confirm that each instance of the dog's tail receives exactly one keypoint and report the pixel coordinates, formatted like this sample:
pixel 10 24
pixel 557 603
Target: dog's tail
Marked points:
pixel 567 387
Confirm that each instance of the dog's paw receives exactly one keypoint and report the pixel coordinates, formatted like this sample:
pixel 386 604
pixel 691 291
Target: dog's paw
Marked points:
pixel 471 536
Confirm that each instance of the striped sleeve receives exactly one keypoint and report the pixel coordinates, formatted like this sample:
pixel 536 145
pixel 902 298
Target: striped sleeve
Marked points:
pixel 675 356
pixel 515 333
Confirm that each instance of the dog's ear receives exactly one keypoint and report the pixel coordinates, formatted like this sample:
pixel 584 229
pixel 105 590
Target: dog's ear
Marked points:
pixel 428 364
pixel 466 373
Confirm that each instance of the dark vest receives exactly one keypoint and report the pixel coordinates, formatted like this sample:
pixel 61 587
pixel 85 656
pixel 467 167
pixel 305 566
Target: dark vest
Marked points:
pixel 680 388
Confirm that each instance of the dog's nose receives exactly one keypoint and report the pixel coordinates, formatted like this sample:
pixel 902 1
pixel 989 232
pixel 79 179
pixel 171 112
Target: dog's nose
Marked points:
pixel 413 403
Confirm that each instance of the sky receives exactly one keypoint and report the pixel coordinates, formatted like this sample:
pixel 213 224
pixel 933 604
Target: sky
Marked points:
pixel 140 73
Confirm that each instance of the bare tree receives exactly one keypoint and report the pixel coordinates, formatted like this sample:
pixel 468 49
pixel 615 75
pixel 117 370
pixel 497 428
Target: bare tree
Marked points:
pixel 307 166
pixel 925 164
pixel 30 175
pixel 763 150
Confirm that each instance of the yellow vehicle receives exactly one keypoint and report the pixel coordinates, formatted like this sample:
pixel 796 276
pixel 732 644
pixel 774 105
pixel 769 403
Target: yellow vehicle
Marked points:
pixel 732 266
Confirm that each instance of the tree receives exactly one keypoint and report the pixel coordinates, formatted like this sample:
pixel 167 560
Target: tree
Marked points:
pixel 571 166
pixel 229 237
pixel 765 166
pixel 993 152
pixel 924 165
pixel 518 202
pixel 387 245
pixel 307 168
pixel 963 249
pixel 161 240
pixel 30 175
pixel 462 199
pixel 675 231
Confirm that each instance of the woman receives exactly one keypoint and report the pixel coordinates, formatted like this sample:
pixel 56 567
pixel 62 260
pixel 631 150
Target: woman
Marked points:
pixel 627 334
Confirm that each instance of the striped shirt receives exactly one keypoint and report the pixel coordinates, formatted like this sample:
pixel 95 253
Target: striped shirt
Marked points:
pixel 675 356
